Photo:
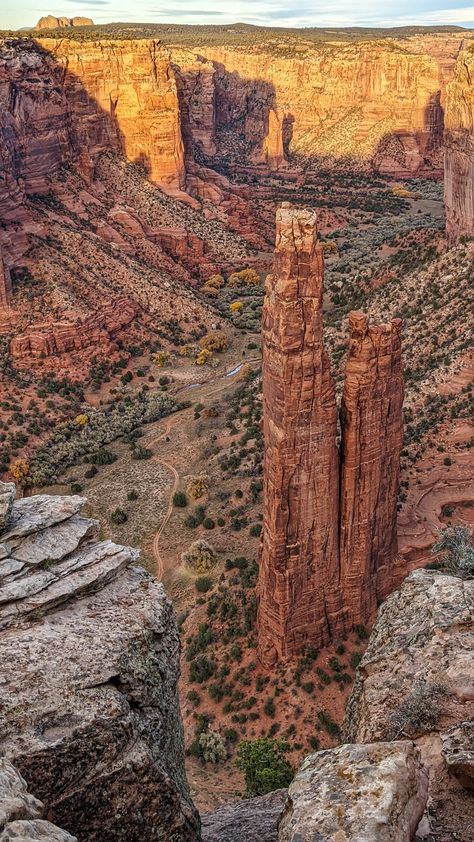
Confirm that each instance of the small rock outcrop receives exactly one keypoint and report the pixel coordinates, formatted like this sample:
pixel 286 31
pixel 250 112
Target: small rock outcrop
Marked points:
pixel 458 752
pixel 21 813
pixel 329 520
pixel 52 22
pixel 372 436
pixel 299 551
pixel 459 149
pixel 97 330
pixel 89 655
pixel 416 680
pixel 357 792
pixel 251 820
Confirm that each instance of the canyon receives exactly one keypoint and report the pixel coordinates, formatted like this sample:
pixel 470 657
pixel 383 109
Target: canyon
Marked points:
pixel 328 554
pixel 272 482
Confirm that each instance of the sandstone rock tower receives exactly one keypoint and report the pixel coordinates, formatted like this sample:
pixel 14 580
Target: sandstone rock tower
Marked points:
pixel 299 555
pixel 329 525
pixel 372 435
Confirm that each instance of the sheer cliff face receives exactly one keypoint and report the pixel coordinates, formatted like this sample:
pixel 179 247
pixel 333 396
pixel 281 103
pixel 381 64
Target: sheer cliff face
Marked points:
pixel 132 87
pixel 299 546
pixel 459 149
pixel 378 103
pixel 329 520
pixel 65 102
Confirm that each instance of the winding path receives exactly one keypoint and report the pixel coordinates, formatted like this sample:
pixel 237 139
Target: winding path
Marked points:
pixel 223 382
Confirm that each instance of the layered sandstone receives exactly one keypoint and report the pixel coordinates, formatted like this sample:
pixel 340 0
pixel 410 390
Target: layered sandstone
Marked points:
pixel 97 330
pixel 89 665
pixel 329 520
pixel 459 149
pixel 372 436
pixel 66 102
pixel 124 94
pixel 299 565
pixel 378 103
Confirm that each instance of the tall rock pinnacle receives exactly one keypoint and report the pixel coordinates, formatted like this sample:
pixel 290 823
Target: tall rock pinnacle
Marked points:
pixel 299 554
pixel 328 546
pixel 372 434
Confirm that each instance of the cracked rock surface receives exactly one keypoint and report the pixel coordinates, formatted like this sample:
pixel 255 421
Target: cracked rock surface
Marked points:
pixel 89 665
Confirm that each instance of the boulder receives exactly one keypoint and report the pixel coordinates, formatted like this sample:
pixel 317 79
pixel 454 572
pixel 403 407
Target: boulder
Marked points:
pixel 20 812
pixel 249 820
pixel 356 793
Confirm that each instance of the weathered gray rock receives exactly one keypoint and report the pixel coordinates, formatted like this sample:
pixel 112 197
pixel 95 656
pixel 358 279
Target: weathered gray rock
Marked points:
pixel 32 514
pixel 89 665
pixel 249 820
pixel 458 752
pixel 20 812
pixel 356 793
pixel 424 636
pixel 7 495
pixel 56 542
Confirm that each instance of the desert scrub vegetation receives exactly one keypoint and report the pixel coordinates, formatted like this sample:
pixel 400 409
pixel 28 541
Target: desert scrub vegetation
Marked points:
pixel 419 712
pixel 71 442
pixel 200 556
pixel 456 550
pixel 264 764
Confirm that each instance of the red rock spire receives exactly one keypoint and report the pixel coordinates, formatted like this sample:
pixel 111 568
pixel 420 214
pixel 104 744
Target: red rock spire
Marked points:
pixel 372 435
pixel 327 553
pixel 299 551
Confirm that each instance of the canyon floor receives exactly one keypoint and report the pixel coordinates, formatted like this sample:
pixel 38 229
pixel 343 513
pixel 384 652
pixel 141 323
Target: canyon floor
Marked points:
pixel 390 261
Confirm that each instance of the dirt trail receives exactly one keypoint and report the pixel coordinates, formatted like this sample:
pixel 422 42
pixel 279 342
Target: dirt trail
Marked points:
pixel 223 381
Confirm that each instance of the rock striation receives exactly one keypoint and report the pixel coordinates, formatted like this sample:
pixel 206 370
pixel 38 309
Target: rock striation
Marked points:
pixel 459 149
pixel 372 436
pixel 251 819
pixel 21 813
pixel 89 654
pixel 328 545
pixel 299 575
pixel 357 792
pixel 374 104
pixel 98 330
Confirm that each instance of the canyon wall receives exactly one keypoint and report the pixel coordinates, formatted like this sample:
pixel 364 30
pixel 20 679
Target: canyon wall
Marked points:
pixel 329 538
pixel 372 436
pixel 376 102
pixel 299 557
pixel 66 102
pixel 89 664
pixel 459 149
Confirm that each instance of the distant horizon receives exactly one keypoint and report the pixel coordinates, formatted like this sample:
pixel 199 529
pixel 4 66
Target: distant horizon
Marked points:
pixel 283 14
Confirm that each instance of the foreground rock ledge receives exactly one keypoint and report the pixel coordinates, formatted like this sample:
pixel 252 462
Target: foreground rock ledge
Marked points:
pixel 89 665
pixel 360 793
pixel 20 812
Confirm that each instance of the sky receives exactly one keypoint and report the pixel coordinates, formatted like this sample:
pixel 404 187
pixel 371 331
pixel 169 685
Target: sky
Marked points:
pixel 336 13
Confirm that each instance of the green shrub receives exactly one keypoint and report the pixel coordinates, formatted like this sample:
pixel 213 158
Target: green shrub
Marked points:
pixel 203 584
pixel 132 495
pixel 264 765
pixel 118 516
pixel 180 500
